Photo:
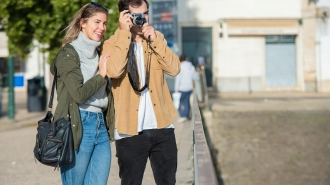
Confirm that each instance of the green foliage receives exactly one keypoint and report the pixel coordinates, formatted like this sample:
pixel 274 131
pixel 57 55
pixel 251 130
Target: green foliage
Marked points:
pixel 44 21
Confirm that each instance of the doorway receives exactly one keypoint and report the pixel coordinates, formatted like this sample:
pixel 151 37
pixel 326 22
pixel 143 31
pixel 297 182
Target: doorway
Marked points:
pixel 197 45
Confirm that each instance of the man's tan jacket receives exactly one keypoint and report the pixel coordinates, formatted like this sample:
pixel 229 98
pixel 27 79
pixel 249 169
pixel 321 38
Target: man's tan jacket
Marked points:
pixel 126 100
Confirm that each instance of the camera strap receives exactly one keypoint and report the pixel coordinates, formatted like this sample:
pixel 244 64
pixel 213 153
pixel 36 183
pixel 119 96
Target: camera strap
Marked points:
pixel 132 69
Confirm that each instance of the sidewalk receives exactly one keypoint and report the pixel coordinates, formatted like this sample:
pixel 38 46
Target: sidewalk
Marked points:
pixel 22 116
pixel 253 95
pixel 270 101
pixel 18 138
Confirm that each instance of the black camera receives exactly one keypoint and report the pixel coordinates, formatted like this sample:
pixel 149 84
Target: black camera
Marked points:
pixel 138 19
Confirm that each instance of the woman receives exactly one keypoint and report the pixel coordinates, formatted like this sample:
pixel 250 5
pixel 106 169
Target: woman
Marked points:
pixel 184 85
pixel 83 94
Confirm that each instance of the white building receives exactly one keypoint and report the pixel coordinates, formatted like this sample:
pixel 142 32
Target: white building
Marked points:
pixel 245 45
pixel 35 65
pixel 3 45
pixel 253 45
pixel 323 45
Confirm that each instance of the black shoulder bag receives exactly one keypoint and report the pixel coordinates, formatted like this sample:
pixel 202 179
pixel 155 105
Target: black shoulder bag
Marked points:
pixel 132 69
pixel 54 142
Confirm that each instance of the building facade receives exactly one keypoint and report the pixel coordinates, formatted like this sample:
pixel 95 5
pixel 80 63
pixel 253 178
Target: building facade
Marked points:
pixel 35 65
pixel 244 45
pixel 253 45
pixel 323 46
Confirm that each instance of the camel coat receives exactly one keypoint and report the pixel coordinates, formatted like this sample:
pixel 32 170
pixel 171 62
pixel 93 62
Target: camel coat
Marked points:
pixel 126 100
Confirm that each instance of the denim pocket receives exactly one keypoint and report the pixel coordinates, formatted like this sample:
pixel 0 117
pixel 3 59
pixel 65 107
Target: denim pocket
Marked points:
pixel 84 116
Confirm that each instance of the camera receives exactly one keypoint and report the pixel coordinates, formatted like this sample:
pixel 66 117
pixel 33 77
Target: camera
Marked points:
pixel 138 19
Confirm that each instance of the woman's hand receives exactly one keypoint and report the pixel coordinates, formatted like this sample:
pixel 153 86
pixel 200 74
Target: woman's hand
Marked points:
pixel 103 64
pixel 125 22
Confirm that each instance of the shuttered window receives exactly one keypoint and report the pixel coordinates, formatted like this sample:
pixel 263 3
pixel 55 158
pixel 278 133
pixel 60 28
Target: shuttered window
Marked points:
pixel 281 68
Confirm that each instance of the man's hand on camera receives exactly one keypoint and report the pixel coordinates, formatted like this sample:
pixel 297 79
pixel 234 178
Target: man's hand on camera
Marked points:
pixel 149 32
pixel 125 22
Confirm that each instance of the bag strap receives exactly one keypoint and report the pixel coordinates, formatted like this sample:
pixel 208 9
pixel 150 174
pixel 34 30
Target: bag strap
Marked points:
pixel 51 98
pixel 132 69
pixel 50 104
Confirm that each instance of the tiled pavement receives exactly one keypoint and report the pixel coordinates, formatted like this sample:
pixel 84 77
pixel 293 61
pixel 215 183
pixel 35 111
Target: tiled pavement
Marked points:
pixel 18 138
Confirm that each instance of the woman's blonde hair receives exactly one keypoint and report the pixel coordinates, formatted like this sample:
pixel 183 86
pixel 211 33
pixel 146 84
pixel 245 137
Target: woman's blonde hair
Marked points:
pixel 74 28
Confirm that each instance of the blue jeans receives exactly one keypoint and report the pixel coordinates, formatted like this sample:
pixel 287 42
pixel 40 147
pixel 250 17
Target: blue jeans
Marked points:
pixel 184 108
pixel 93 158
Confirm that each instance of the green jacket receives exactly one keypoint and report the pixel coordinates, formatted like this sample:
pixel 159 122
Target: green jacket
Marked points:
pixel 71 91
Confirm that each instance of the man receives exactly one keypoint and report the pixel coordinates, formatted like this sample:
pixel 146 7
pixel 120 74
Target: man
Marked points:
pixel 143 126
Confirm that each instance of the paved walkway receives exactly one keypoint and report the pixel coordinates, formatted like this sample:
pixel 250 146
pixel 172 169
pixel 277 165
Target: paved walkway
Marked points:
pixel 18 138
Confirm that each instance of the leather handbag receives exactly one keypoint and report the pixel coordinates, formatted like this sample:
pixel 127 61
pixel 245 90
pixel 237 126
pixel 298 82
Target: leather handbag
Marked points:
pixel 54 140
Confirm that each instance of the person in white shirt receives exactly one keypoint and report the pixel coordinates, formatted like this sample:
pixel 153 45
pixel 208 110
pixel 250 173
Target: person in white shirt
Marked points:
pixel 184 85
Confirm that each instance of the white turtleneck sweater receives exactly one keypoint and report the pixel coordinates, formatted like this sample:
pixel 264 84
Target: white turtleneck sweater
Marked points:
pixel 87 51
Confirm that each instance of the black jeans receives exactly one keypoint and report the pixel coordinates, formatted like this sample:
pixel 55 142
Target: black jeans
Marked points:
pixel 159 146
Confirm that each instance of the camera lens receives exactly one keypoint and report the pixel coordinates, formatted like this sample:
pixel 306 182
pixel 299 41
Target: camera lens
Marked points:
pixel 138 21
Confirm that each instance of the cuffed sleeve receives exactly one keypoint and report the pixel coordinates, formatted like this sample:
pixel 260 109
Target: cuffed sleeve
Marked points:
pixel 168 60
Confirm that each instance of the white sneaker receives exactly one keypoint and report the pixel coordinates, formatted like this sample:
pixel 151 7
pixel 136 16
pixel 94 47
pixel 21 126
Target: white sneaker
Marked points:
pixel 181 120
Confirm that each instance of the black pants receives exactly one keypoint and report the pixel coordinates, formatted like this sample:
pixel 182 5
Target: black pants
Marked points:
pixel 159 146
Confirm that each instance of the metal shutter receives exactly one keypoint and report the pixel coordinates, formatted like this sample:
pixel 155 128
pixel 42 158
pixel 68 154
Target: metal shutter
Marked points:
pixel 280 61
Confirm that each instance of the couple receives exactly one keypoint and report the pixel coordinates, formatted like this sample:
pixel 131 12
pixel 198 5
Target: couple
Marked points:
pixel 140 123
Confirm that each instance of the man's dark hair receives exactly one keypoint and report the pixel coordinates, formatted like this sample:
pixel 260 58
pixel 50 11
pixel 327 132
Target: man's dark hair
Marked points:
pixel 124 4
pixel 183 57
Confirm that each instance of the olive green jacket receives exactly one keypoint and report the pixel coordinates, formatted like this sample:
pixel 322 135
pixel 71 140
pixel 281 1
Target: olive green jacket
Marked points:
pixel 71 91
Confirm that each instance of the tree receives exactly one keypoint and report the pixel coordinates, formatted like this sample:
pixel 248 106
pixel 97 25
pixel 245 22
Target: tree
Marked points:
pixel 44 21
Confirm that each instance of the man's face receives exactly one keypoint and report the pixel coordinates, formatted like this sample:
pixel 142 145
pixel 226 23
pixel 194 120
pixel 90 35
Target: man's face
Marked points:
pixel 141 9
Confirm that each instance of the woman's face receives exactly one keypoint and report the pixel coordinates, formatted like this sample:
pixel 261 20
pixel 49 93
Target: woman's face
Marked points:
pixel 95 27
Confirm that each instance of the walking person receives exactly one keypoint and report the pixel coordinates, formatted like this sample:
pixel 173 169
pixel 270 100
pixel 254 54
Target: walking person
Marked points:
pixel 184 85
pixel 143 104
pixel 84 95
